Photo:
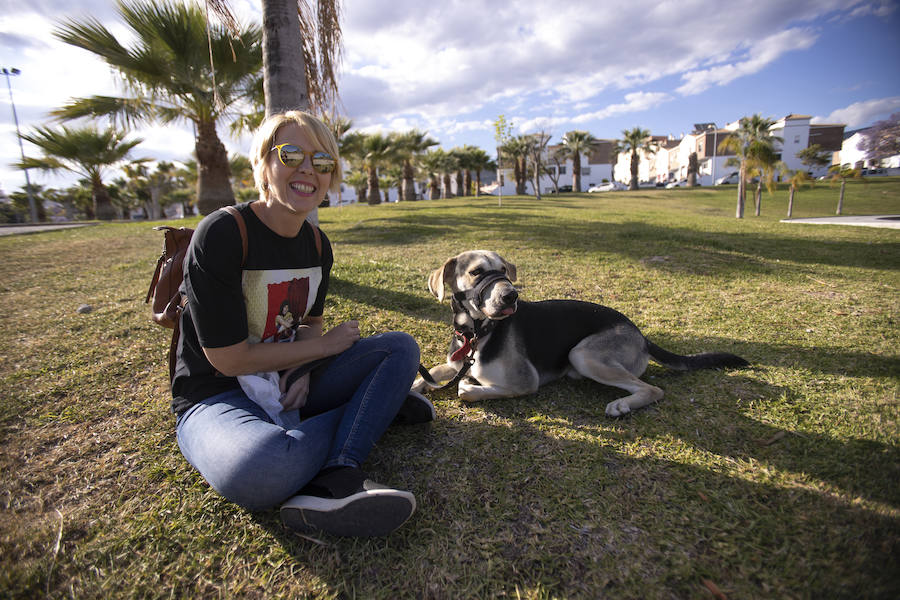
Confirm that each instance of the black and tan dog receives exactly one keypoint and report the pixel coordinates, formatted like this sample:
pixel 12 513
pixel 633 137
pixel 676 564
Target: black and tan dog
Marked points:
pixel 514 346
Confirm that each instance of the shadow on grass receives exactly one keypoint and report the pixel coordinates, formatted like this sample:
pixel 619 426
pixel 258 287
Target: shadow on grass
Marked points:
pixel 508 503
pixel 409 304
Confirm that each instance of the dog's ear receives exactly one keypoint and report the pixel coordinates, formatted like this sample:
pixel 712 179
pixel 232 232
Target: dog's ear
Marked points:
pixel 510 270
pixel 437 278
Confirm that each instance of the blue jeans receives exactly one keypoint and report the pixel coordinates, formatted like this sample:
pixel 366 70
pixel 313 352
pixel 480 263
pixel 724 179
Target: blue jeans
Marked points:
pixel 251 461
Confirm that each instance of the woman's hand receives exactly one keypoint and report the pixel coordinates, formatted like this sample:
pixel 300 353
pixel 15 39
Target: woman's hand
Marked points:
pixel 294 398
pixel 341 337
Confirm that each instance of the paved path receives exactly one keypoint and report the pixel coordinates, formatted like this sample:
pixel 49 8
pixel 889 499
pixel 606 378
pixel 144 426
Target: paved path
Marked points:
pixel 889 221
pixel 26 228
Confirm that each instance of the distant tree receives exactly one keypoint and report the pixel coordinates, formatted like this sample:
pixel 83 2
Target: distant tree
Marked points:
pixel 555 163
pixel 842 174
pixel 20 210
pixel 798 178
pixel 693 169
pixel 448 166
pixel 634 141
pixel 378 151
pixel 764 164
pixel 751 139
pixel 882 139
pixel 814 157
pixel 410 145
pixel 431 163
pixel 575 144
pixel 86 151
pixel 358 180
pixel 536 150
pixel 479 160
pixel 516 151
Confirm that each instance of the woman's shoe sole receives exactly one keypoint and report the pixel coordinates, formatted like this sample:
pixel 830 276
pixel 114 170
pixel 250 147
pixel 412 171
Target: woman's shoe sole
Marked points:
pixel 369 513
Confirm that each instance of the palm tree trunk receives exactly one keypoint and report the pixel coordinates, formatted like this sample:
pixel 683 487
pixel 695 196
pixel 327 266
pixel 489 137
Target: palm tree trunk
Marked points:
pixel 459 184
pixel 758 197
pixel 435 188
pixel 739 213
pixel 467 183
pixel 791 203
pixel 103 208
pixel 213 172
pixel 409 186
pixel 840 206
pixel 576 172
pixel 284 70
pixel 372 192
pixel 478 183
pixel 634 171
pixel 284 67
pixel 445 191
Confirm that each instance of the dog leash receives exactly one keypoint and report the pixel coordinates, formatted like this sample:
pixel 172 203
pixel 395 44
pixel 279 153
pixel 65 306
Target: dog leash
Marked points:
pixel 466 353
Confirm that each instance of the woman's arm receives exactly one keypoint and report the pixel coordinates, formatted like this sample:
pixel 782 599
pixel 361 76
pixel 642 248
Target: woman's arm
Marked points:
pixel 244 358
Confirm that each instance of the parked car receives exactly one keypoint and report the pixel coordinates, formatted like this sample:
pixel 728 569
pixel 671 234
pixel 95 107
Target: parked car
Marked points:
pixel 731 178
pixel 607 186
pixel 675 184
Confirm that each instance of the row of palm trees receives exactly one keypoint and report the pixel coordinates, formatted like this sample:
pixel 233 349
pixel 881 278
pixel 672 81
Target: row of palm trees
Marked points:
pixel 182 68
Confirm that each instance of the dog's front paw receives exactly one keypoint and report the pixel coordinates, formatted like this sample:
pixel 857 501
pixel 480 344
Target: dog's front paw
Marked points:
pixel 617 408
pixel 418 385
pixel 468 391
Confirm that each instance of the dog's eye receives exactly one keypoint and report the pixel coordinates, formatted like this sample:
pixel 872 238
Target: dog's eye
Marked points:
pixel 476 272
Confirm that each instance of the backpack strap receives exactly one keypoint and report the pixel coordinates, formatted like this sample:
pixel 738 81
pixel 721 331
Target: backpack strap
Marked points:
pixel 317 234
pixel 242 227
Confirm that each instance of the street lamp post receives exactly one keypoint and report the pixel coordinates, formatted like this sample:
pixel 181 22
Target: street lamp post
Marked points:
pixel 31 205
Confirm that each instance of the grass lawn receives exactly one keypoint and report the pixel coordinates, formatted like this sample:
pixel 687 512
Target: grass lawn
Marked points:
pixel 776 481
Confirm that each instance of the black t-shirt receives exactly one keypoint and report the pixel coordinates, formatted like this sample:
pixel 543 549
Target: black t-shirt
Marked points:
pixel 282 281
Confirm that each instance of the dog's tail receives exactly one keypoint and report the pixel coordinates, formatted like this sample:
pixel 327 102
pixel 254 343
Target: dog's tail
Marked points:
pixel 705 360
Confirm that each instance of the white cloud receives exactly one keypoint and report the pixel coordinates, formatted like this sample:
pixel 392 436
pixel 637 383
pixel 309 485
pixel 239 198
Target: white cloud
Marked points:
pixel 759 56
pixel 634 102
pixel 861 114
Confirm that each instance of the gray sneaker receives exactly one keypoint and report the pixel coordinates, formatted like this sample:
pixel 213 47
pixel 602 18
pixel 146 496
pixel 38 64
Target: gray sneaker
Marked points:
pixel 344 502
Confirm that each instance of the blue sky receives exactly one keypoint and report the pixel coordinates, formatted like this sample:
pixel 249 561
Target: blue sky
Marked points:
pixel 450 68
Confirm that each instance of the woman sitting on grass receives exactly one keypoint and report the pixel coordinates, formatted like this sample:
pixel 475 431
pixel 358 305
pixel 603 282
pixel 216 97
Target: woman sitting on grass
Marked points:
pixel 339 392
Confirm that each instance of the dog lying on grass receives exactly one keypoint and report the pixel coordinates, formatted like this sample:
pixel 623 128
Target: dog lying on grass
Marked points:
pixel 514 347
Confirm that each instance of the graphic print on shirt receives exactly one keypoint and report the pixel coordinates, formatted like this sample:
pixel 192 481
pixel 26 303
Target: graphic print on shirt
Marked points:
pixel 278 300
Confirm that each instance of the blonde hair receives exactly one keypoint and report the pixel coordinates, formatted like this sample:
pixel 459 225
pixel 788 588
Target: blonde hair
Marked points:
pixel 317 131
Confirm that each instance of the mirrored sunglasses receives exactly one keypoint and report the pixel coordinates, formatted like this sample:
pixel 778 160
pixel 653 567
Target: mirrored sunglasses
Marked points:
pixel 291 156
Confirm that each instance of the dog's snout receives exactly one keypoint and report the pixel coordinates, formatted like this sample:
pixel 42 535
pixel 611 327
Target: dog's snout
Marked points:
pixel 510 296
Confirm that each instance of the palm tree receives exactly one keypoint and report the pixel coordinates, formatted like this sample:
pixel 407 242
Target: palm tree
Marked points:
pixel 635 141
pixel 763 162
pixel 574 145
pixel 431 163
pixel 449 163
pixel 85 151
pixel 301 55
pixel 378 151
pixel 358 180
pixel 167 77
pixel 693 169
pixel 410 145
pixel 752 139
pixel 516 149
pixel 479 160
pixel 798 178
pixel 842 174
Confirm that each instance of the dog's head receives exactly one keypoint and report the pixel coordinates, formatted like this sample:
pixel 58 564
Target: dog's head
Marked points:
pixel 480 281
